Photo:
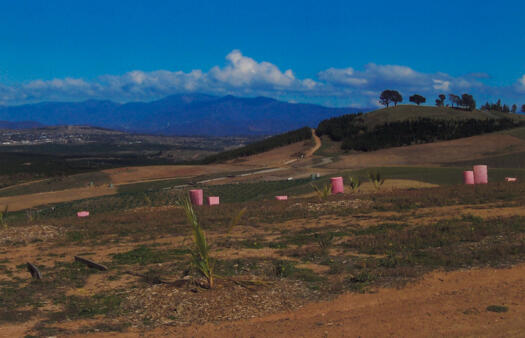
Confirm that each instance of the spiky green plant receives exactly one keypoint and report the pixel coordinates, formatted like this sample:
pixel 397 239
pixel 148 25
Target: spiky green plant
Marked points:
pixel 147 200
pixel 201 250
pixel 30 214
pixel 322 192
pixel 354 183
pixel 324 241
pixel 3 217
pixel 376 179
pixel 236 219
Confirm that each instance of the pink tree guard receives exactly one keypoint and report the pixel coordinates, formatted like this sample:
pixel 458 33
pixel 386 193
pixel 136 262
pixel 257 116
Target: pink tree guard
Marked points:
pixel 337 185
pixel 281 198
pixel 481 174
pixel 196 196
pixel 83 213
pixel 468 177
pixel 511 179
pixel 213 200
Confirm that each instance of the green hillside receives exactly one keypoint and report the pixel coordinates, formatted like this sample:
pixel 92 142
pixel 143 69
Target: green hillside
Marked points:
pixel 410 112
pixel 407 125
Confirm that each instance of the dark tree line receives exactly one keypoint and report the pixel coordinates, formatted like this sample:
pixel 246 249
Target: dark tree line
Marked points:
pixel 356 136
pixel 465 101
pixel 342 126
pixel 424 130
pixel 440 101
pixel 261 146
pixel 502 108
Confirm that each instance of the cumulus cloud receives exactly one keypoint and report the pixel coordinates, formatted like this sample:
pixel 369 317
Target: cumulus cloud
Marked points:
pixel 441 85
pixel 242 71
pixel 243 75
pixel 405 79
pixel 520 85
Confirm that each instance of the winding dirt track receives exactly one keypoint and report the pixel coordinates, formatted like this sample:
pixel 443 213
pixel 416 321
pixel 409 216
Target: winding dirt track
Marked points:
pixel 442 304
pixel 317 144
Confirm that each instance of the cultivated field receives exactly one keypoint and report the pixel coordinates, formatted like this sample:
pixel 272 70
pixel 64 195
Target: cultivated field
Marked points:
pixel 282 256
pixel 450 258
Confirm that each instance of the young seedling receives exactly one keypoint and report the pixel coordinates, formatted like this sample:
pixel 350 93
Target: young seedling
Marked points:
pixel 375 178
pixel 30 213
pixel 3 217
pixel 201 250
pixel 324 241
pixel 323 192
pixel 354 183
pixel 236 218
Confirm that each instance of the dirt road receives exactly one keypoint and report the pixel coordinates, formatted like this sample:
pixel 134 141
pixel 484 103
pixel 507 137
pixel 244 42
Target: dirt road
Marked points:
pixel 317 144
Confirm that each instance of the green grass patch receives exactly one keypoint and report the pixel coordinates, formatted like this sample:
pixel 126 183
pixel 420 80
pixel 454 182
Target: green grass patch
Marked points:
pixel 254 191
pixel 144 255
pixel 86 307
pixel 497 308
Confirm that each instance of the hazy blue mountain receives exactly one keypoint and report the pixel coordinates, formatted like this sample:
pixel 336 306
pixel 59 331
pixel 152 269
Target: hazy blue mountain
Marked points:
pixel 188 114
pixel 20 125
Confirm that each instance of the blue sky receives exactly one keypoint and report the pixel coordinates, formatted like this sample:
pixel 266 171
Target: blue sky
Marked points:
pixel 329 52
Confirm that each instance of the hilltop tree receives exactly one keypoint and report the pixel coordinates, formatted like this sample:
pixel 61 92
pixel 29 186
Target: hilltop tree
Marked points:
pixel 468 102
pixel 417 99
pixel 390 96
pixel 523 108
pixel 514 108
pixel 396 98
pixel 497 106
pixel 454 100
pixel 505 109
pixel 440 101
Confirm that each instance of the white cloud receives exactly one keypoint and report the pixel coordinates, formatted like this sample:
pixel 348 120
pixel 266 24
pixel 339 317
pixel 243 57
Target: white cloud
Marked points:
pixel 441 85
pixel 345 76
pixel 521 84
pixel 376 77
pixel 243 75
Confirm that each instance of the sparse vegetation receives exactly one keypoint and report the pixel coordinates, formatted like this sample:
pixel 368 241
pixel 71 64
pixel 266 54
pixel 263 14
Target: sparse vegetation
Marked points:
pixel 261 146
pixel 354 183
pixel 201 250
pixel 323 191
pixel 497 308
pixel 267 255
pixel 3 217
pixel 376 179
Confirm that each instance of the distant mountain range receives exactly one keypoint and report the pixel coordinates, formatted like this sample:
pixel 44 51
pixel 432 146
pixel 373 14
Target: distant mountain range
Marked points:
pixel 20 125
pixel 188 114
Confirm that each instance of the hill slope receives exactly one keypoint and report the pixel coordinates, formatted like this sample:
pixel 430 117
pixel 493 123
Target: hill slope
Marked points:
pixel 19 125
pixel 195 114
pixel 407 125
pixel 408 112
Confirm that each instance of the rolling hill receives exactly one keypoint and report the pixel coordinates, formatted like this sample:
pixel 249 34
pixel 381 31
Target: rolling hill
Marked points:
pixel 408 112
pixel 195 114
pixel 19 125
pixel 408 125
